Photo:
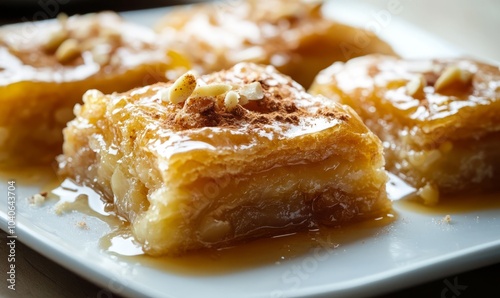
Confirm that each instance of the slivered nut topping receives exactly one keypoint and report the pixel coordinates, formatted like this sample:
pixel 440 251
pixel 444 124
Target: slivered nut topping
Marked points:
pixel 453 74
pixel 55 40
pixel 211 90
pixel 69 44
pixel 243 100
pixel 231 100
pixel 110 35
pixel 163 94
pixel 182 88
pixel 62 18
pixel 252 91
pixel 415 87
pixel 186 87
pixel 101 55
pixel 68 51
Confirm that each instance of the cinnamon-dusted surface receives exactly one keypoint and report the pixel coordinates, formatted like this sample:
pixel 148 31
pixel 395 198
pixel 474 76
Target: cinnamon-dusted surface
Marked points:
pixel 284 101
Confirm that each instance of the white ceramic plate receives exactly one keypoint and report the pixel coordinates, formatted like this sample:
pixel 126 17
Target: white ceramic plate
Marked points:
pixel 416 247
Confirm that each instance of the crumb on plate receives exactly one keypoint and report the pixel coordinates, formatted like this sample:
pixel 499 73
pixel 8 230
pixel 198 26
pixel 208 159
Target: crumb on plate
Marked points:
pixel 61 207
pixel 82 225
pixel 38 199
pixel 447 219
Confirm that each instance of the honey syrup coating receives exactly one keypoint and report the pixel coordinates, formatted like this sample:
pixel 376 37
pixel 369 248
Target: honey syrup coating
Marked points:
pixel 294 36
pixel 439 119
pixel 46 67
pixel 199 172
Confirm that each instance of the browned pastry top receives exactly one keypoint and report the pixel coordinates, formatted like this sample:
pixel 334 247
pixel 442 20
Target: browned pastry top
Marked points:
pixel 457 97
pixel 279 101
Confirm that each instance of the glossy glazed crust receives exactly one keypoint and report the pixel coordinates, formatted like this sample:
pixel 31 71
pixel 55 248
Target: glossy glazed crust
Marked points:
pixel 424 128
pixel 46 67
pixel 105 45
pixel 294 36
pixel 195 174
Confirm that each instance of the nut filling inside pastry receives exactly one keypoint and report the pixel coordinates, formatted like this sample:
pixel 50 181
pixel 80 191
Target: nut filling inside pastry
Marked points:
pixel 439 120
pixel 224 158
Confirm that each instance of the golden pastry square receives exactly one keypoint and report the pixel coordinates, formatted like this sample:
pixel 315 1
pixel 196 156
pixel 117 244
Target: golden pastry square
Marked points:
pixel 225 158
pixel 439 120
pixel 295 36
pixel 46 67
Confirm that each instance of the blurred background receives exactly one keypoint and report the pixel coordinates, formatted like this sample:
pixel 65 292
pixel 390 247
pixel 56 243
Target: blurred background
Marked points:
pixel 471 25
pixel 12 11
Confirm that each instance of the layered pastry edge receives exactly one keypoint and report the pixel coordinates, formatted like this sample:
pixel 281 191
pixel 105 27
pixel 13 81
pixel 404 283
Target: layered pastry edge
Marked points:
pixel 229 157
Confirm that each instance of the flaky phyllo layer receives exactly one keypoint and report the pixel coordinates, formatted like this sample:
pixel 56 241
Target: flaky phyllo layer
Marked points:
pixel 224 158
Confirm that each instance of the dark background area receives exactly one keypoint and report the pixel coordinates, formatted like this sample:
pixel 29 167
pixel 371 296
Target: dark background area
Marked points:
pixel 13 11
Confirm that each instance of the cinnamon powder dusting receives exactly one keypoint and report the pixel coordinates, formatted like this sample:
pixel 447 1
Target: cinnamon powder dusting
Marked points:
pixel 284 102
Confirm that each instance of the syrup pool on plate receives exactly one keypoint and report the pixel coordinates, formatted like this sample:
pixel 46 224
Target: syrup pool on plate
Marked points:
pixel 275 251
pixel 261 252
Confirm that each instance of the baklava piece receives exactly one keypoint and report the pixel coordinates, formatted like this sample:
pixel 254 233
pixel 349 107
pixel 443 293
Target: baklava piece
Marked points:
pixel 46 67
pixel 439 120
pixel 292 35
pixel 231 156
